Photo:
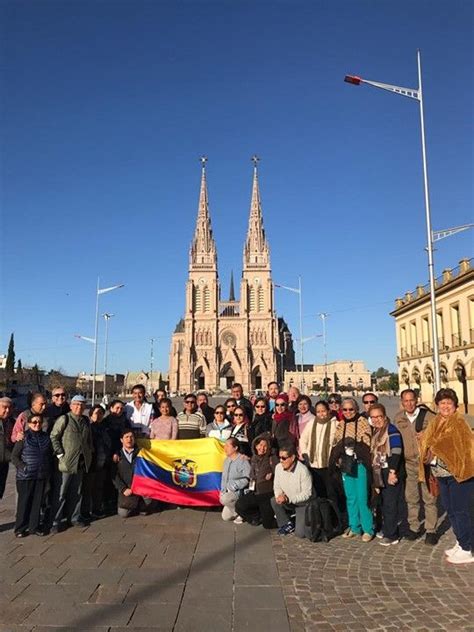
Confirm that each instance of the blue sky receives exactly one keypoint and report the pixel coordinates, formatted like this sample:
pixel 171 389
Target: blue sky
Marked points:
pixel 107 106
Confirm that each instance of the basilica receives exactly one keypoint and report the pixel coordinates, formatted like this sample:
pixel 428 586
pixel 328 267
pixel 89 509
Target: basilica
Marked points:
pixel 219 342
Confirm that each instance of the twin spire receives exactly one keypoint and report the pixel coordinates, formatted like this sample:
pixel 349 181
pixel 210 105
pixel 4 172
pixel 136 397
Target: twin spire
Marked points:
pixel 203 253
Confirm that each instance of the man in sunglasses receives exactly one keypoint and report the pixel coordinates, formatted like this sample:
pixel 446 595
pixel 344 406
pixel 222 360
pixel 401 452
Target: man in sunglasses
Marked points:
pixel 59 404
pixel 292 488
pixel 368 400
pixel 191 422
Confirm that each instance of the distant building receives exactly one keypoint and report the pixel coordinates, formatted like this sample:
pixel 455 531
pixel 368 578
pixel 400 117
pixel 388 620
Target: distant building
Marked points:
pixel 158 380
pixel 220 342
pixel 344 375
pixel 455 324
pixel 114 383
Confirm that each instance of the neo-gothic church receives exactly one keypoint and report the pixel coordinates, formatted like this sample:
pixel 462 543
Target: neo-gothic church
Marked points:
pixel 239 340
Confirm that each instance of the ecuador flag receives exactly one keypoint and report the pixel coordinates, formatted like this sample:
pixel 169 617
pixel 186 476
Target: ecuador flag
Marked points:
pixel 185 472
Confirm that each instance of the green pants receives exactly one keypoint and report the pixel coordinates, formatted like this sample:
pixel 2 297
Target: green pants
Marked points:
pixel 355 488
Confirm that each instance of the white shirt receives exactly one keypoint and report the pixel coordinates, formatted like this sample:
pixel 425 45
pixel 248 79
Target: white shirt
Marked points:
pixel 412 418
pixel 140 418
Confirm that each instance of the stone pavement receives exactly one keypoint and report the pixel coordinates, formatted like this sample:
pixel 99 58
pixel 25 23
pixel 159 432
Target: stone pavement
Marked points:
pixel 186 570
pixel 180 570
pixel 349 585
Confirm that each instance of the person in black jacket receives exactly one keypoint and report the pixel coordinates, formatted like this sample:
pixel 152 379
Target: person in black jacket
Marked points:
pixel 32 457
pixel 262 418
pixel 93 484
pixel 237 393
pixel 115 423
pixel 128 502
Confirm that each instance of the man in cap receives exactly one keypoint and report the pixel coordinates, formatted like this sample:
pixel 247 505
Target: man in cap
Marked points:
pixel 72 444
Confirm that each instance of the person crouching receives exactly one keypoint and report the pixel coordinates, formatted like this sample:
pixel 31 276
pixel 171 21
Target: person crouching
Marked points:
pixel 235 478
pixel 129 504
pixel 32 457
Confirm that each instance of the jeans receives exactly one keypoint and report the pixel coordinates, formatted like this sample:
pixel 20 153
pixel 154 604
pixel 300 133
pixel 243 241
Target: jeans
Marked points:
pixel 355 488
pixel 457 499
pixel 70 498
pixel 391 499
pixel 283 514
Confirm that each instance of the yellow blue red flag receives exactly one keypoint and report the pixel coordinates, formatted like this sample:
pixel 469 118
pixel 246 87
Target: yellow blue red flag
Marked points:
pixel 185 472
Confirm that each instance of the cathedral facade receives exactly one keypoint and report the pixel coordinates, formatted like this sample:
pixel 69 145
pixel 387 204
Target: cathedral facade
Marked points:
pixel 219 342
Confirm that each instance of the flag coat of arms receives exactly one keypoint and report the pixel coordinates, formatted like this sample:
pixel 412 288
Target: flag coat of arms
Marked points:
pixel 185 472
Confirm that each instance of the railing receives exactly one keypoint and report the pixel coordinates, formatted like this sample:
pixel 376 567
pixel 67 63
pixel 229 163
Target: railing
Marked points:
pixel 455 340
pixel 423 290
pixel 414 351
pixel 426 347
pixel 403 353
pixel 229 308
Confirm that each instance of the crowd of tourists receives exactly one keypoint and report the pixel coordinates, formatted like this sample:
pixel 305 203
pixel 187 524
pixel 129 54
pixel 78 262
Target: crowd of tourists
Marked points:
pixel 286 459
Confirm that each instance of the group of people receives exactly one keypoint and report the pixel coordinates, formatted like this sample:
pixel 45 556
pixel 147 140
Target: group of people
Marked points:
pixel 382 477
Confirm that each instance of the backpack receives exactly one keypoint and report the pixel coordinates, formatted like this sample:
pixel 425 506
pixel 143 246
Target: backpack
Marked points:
pixel 322 520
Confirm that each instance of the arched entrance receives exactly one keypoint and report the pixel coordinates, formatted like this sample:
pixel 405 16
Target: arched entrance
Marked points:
pixel 199 379
pixel 256 379
pixel 227 376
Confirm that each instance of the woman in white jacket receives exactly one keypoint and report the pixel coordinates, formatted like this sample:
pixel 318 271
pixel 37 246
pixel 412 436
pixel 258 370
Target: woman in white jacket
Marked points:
pixel 315 446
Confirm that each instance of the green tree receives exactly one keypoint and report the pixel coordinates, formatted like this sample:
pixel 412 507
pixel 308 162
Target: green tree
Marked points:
pixel 10 363
pixel 381 372
pixel 393 382
pixel 36 375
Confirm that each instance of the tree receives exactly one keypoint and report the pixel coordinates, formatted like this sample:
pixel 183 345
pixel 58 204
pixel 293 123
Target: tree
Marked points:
pixel 10 363
pixel 394 382
pixel 36 375
pixel 381 372
pixel 19 366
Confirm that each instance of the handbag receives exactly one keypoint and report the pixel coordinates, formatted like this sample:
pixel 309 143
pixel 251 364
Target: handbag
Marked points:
pixel 377 477
pixel 348 464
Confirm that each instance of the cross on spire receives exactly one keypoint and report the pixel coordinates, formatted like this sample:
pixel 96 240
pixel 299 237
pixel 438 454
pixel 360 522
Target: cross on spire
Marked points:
pixel 255 159
pixel 203 160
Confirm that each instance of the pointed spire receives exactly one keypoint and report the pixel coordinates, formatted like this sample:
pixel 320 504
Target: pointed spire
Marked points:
pixel 202 253
pixel 231 290
pixel 256 251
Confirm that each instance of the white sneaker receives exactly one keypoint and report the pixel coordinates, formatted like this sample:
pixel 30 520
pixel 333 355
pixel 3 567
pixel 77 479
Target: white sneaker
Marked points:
pixel 239 520
pixel 452 550
pixel 461 557
pixel 379 535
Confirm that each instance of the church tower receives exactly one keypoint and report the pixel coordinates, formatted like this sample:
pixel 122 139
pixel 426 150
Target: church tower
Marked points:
pixel 256 292
pixel 220 342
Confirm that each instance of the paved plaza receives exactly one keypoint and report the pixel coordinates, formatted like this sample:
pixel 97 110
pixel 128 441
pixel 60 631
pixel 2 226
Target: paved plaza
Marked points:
pixel 185 570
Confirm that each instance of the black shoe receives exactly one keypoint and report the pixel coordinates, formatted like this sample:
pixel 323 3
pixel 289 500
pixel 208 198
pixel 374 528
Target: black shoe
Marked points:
pixel 39 532
pixel 97 515
pixel 21 534
pixel 431 539
pixel 81 523
pixel 412 535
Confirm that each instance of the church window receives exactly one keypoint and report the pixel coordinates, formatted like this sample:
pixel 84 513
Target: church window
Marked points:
pixel 252 300
pixel 197 299
pixel 261 301
pixel 207 299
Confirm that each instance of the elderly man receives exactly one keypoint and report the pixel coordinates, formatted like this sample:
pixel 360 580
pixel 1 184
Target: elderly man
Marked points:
pixel 71 438
pixel 411 423
pixel 202 401
pixel 292 487
pixel 293 396
pixel 59 404
pixel 6 444
pixel 38 407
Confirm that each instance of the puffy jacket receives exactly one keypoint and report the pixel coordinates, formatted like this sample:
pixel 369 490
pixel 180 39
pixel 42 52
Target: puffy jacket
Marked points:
pixel 72 437
pixel 32 456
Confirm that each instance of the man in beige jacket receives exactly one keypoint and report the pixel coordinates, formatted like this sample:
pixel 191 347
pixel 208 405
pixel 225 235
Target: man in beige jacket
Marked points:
pixel 411 422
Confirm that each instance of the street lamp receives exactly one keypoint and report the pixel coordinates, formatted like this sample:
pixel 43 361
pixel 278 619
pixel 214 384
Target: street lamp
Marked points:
pixel 107 317
pixel 98 293
pixel 323 316
pixel 417 94
pixel 297 290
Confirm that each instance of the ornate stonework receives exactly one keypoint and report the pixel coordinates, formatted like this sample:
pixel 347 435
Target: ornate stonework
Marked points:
pixel 220 342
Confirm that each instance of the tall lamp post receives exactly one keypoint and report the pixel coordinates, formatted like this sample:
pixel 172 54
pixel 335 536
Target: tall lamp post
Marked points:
pixel 417 94
pixel 323 316
pixel 297 290
pixel 99 292
pixel 107 317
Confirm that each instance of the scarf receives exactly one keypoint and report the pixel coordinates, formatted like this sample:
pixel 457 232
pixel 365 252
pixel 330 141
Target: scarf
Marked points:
pixel 380 443
pixel 451 440
pixel 325 448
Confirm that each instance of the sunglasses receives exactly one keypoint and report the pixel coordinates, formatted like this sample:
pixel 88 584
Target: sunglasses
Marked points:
pixel 369 401
pixel 283 458
pixel 280 404
pixel 238 415
pixel 260 406
pixel 59 395
pixel 333 401
pixel 219 412
pixel 189 401
pixel 34 423
pixel 348 410
pixel 231 406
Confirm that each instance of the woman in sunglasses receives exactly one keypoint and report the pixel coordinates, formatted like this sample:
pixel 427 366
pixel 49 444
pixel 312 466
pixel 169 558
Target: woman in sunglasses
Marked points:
pixel 351 453
pixel 220 428
pixel 230 405
pixel 32 456
pixel 283 423
pixel 262 418
pixel 240 428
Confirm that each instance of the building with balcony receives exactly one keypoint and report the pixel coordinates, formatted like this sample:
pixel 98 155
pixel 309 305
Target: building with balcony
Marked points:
pixel 455 324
